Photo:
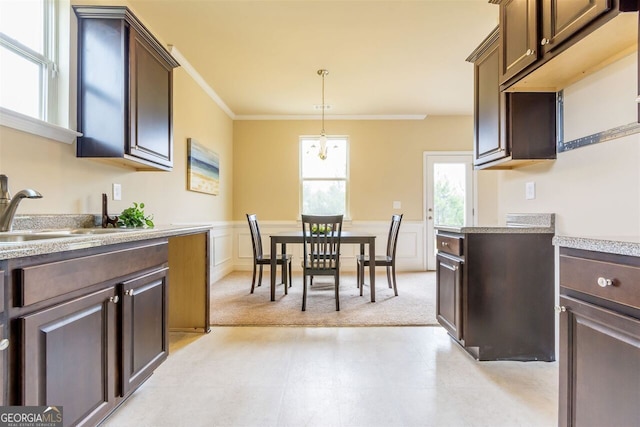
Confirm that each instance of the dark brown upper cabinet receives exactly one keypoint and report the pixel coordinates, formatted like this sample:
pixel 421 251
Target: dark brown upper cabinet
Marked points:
pixel 125 89
pixel 510 129
pixel 562 19
pixel 518 36
pixel 547 45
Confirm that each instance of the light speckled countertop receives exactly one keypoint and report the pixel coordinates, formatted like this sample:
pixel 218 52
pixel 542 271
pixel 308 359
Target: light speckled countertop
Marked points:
pixel 515 224
pixel 621 245
pixel 82 241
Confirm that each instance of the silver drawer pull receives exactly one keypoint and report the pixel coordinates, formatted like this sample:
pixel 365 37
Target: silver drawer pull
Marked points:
pixel 129 292
pixel 445 244
pixel 603 283
pixel 114 299
pixel 450 267
pixel 560 308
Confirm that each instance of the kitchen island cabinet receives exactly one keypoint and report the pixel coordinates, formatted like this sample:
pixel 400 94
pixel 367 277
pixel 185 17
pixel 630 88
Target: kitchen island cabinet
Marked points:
pixel 599 333
pixel 495 291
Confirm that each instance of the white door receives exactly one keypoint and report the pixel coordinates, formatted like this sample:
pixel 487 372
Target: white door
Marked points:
pixel 449 194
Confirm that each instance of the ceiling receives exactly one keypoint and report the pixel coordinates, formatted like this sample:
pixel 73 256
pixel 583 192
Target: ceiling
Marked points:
pixel 386 59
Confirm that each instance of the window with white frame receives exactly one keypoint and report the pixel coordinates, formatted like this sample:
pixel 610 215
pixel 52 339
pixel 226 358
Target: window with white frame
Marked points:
pixel 324 179
pixel 28 66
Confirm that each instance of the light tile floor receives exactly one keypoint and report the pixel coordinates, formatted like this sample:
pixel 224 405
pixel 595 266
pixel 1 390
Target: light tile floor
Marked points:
pixel 296 376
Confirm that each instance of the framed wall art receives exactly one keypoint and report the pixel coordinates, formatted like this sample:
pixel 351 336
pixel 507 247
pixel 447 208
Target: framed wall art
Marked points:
pixel 203 168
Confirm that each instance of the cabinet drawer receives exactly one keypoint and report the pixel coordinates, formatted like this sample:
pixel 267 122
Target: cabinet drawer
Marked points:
pixel 449 244
pixel 591 276
pixel 41 282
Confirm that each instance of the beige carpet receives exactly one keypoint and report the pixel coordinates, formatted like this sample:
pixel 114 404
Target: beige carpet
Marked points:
pixel 232 304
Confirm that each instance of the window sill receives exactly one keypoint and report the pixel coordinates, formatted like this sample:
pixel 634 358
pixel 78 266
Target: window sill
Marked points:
pixel 24 123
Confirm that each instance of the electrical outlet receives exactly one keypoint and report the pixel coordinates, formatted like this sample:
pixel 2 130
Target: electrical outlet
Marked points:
pixel 117 192
pixel 530 190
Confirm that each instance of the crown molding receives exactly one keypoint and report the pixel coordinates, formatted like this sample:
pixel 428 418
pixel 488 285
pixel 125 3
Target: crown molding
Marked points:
pixel 200 81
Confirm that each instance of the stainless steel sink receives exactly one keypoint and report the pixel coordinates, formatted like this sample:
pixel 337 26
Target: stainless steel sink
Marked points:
pixel 28 237
pixel 101 230
pixel 23 236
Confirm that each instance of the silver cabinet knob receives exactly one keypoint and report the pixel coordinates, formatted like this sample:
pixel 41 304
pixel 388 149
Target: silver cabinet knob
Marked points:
pixel 4 344
pixel 530 52
pixel 560 308
pixel 129 292
pixel 544 41
pixel 444 244
pixel 603 283
pixel 114 299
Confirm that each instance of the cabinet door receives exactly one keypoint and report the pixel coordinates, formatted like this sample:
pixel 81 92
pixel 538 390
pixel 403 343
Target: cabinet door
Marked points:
pixel 561 19
pixel 145 342
pixel 489 127
pixel 518 36
pixel 150 92
pixel 599 366
pixel 4 344
pixel 68 357
pixel 449 295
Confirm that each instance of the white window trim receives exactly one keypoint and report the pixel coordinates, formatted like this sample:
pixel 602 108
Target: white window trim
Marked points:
pixel 51 102
pixel 24 123
pixel 347 179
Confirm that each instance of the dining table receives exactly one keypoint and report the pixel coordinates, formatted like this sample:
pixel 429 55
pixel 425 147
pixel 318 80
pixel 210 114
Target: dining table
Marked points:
pixel 347 237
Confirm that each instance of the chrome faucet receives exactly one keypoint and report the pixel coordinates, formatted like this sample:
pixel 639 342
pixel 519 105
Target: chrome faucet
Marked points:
pixel 8 205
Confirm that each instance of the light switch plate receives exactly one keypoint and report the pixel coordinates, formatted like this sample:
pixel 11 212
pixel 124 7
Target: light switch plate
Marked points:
pixel 397 205
pixel 530 190
pixel 117 192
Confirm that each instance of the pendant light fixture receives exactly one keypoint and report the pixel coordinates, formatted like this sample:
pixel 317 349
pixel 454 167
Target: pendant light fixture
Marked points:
pixel 322 152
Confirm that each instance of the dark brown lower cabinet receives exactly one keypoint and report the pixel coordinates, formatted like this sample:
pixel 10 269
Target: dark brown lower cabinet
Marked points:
pixel 69 357
pixel 88 327
pixel 599 366
pixel 145 342
pixel 449 294
pixel 599 339
pixel 4 343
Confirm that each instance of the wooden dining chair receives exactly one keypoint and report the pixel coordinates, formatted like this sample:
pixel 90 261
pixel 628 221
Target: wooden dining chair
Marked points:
pixel 321 235
pixel 388 260
pixel 259 259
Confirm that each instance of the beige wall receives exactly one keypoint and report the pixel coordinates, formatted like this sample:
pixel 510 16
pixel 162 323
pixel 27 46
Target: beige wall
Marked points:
pixel 594 190
pixel 72 185
pixel 385 163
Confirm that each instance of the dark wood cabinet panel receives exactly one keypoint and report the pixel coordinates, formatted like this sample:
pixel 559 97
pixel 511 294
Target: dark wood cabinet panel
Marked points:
pixel 449 294
pixel 145 343
pixel 68 357
pixel 518 36
pixel 151 100
pixel 124 90
pixel 4 344
pixel 562 19
pixel 599 366
pixel 489 103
